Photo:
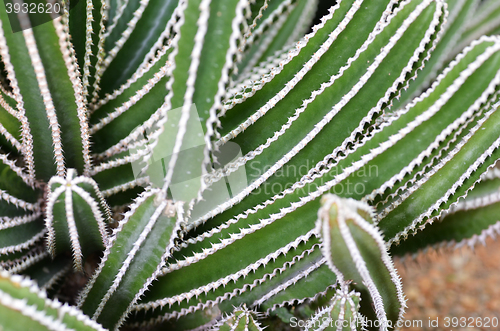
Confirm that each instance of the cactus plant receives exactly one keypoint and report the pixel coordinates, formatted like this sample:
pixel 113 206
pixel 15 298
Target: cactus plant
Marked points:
pixel 207 164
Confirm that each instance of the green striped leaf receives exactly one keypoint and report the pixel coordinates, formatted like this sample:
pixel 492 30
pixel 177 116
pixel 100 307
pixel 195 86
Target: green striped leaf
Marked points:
pixel 241 319
pixel 281 24
pixel 341 313
pixel 134 34
pixel 86 27
pixel 461 12
pixel 484 22
pixel 132 260
pixel 23 306
pixel 355 250
pixel 77 217
pixel 46 90
pixel 466 223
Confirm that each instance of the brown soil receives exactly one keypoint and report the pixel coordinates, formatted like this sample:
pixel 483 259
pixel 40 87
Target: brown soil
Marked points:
pixel 463 284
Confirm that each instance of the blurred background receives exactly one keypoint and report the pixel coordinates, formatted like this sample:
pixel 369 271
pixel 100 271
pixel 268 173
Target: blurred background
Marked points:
pixel 450 282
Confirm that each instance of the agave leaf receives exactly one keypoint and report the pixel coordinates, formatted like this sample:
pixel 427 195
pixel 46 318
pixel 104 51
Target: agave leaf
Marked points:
pixel 9 127
pixel 130 46
pixel 115 7
pixel 86 27
pixel 16 188
pixel 14 49
pixel 468 222
pixel 255 285
pixel 449 179
pixel 20 233
pixel 123 12
pixel 76 217
pixel 200 81
pixel 36 263
pixel 484 22
pixel 280 25
pixel 461 12
pixel 116 131
pixel 300 290
pixel 241 319
pixel 18 262
pixel 9 260
pixel 123 192
pixel 23 306
pixel 301 279
pixel 49 107
pixel 341 313
pixel 264 13
pixel 137 251
pixel 355 250
pixel 120 117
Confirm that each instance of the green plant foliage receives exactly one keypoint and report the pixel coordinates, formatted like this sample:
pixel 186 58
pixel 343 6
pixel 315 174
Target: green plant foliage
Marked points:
pixel 341 314
pixel 355 250
pixel 207 164
pixel 241 319
pixel 75 218
pixel 23 306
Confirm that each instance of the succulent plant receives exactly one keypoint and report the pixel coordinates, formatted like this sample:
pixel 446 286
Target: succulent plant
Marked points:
pixel 209 164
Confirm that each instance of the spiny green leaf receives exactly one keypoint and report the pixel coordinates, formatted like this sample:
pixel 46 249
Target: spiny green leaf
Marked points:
pixel 253 285
pixel 86 27
pixel 461 12
pixel 355 250
pixel 241 319
pixel 23 306
pixel 16 237
pixel 342 313
pixel 281 24
pixel 76 217
pixel 49 107
pixel 138 249
pixel 135 104
pixel 146 31
pixel 469 222
pixel 485 22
